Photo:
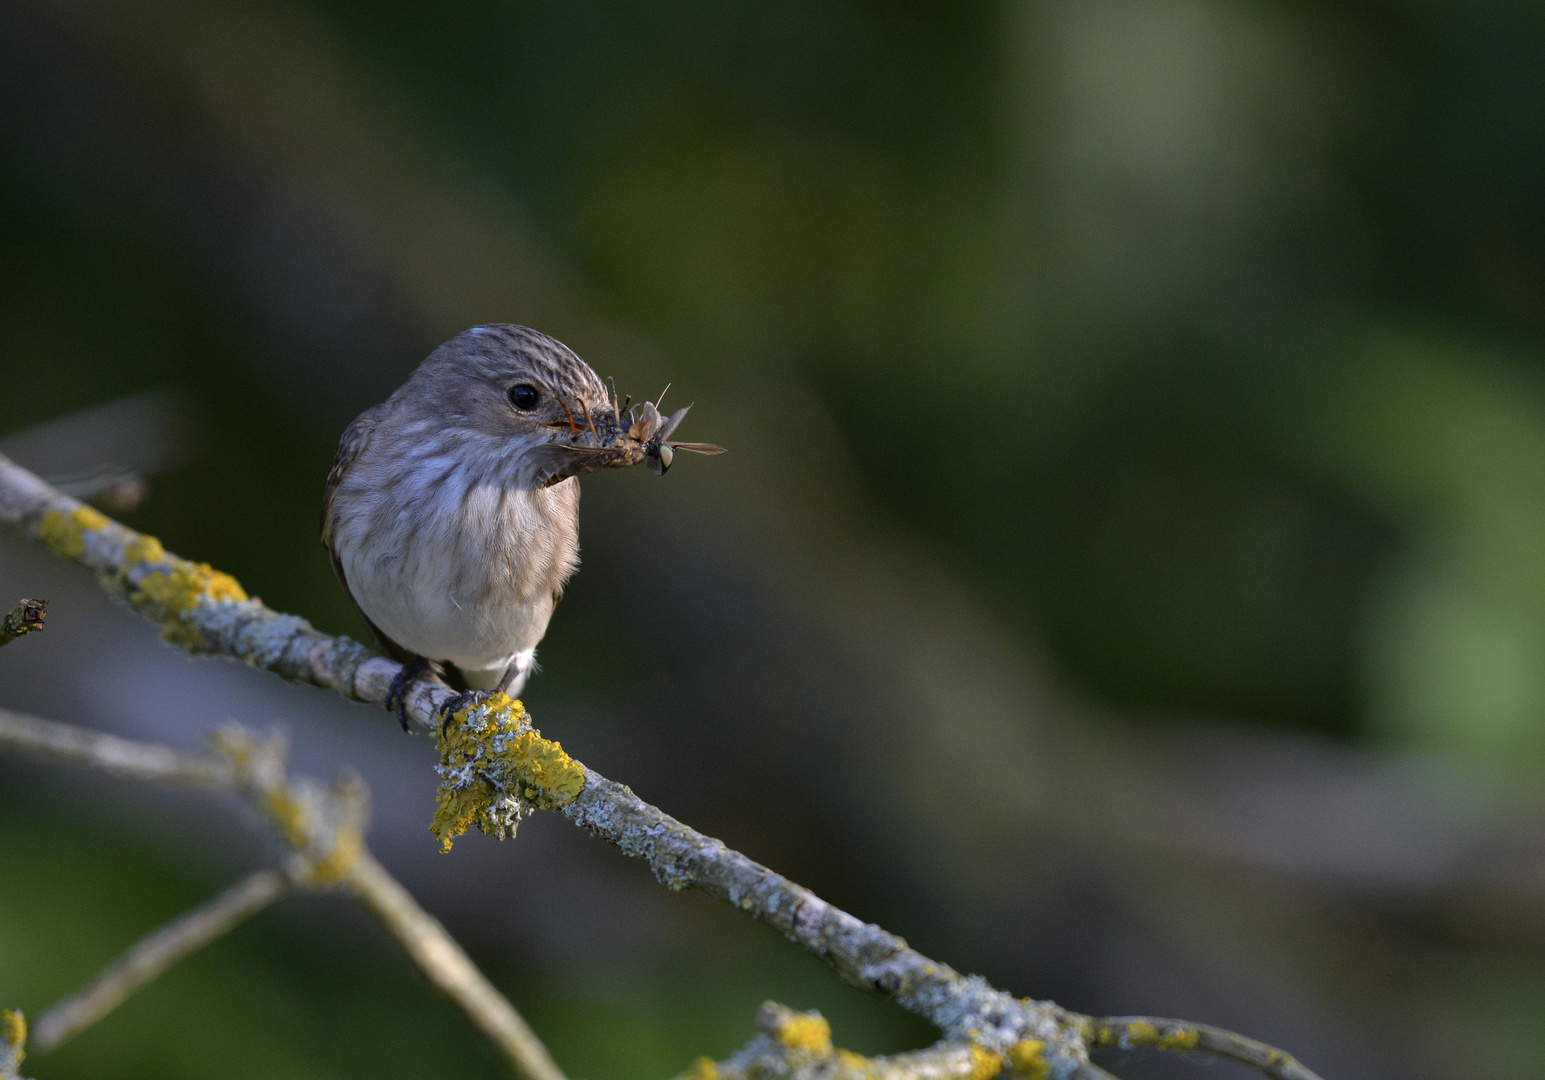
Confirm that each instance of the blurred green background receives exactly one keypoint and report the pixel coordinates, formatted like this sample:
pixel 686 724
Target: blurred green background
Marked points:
pixel 1127 579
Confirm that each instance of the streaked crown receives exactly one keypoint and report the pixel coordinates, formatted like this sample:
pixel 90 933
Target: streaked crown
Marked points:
pixel 501 352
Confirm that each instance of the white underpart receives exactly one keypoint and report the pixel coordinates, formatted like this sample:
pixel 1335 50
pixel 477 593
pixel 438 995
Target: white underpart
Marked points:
pixel 456 564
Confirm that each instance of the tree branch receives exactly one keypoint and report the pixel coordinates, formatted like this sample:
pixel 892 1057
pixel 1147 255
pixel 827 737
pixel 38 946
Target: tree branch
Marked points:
pixel 798 1046
pixel 25 618
pixel 448 967
pixel 1132 1031
pixel 207 611
pixel 322 827
pixel 13 1040
pixel 155 953
pixel 72 745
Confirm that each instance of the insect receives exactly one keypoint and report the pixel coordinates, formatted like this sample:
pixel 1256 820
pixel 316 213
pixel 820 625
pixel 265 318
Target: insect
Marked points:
pixel 653 430
pixel 646 438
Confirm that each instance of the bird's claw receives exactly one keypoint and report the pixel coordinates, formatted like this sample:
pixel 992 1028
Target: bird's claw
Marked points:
pixel 464 700
pixel 402 682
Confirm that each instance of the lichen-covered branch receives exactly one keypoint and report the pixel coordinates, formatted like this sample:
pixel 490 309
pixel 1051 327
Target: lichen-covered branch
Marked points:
pixel 496 767
pixel 25 618
pixel 197 607
pixel 799 1046
pixel 1132 1031
pixel 155 953
pixel 13 1042
pixel 322 828
pixel 964 1008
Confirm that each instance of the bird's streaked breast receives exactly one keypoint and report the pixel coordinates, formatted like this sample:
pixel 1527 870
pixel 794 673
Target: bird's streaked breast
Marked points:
pixel 450 551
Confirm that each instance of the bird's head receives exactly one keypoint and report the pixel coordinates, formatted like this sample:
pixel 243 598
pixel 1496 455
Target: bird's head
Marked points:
pixel 543 411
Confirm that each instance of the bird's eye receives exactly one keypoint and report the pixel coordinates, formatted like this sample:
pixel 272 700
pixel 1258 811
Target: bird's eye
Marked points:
pixel 524 396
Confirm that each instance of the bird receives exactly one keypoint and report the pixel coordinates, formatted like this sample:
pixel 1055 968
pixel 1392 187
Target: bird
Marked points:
pixel 451 511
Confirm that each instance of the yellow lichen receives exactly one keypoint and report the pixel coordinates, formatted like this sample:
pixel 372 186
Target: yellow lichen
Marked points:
pixel 64 532
pixel 984 1064
pixel 853 1063
pixel 336 864
pixel 143 549
pixel 1027 1058
pixel 1142 1032
pixel 455 813
pixel 1183 1039
pixel 286 811
pixel 489 751
pixel 807 1031
pixel 187 585
pixel 1145 1033
pixel 13 1029
pixel 551 778
pixel 170 593
pixel 235 744
pixel 173 587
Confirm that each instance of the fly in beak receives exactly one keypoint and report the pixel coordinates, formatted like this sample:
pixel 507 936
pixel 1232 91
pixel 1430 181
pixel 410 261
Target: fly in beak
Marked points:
pixel 601 442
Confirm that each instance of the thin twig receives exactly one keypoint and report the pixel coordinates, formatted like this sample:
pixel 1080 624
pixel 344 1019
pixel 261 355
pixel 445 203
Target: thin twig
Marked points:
pixel 23 619
pixel 449 968
pixel 13 1043
pixel 321 827
pixel 155 953
pixel 798 1046
pixel 1179 1035
pixel 73 745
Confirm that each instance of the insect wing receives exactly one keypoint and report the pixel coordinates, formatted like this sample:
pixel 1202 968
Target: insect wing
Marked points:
pixel 646 421
pixel 670 425
pixel 555 463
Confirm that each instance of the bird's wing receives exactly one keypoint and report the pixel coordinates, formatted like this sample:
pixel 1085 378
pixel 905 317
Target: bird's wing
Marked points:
pixel 355 438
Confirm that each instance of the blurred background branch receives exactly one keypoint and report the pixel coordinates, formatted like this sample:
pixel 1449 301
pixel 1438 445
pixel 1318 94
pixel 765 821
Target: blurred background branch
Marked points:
pixel 155 953
pixel 13 1041
pixel 322 829
pixel 798 1045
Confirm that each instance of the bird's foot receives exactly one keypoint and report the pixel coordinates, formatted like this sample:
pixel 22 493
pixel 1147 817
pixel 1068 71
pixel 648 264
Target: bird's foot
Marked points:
pixel 464 700
pixel 402 682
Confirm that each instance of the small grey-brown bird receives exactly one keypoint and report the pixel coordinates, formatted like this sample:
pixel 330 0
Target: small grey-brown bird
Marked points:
pixel 452 509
